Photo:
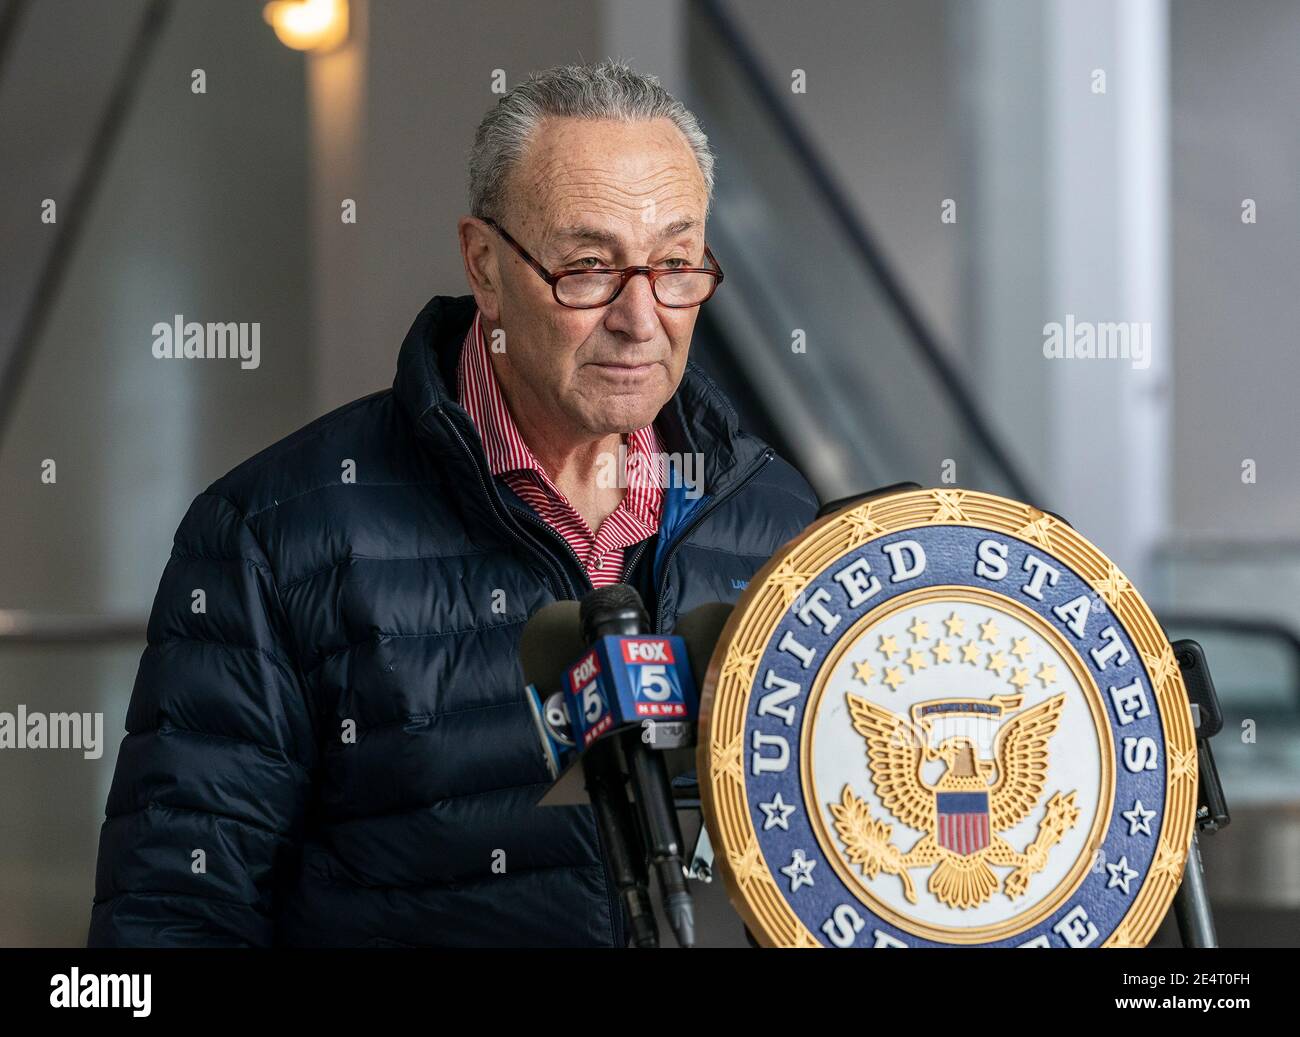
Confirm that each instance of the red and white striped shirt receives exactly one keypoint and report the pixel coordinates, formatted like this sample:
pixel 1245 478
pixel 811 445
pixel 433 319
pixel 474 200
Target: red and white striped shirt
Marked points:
pixel 635 519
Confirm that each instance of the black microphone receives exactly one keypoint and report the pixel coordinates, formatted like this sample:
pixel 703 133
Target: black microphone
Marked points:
pixel 701 629
pixel 550 642
pixel 617 611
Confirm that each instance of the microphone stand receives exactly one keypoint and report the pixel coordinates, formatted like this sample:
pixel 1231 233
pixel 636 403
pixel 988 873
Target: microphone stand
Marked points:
pixel 1192 902
pixel 605 786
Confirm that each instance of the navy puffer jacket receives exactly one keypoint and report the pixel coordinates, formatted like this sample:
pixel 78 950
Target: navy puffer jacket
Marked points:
pixel 330 745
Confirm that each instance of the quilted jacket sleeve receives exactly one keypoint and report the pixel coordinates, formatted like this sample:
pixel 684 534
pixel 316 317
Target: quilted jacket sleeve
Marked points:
pixel 206 809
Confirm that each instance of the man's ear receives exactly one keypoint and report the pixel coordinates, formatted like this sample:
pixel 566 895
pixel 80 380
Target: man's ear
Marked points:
pixel 481 269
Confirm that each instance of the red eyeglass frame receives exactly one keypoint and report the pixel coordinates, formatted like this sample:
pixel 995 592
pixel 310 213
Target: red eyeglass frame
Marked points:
pixel 627 274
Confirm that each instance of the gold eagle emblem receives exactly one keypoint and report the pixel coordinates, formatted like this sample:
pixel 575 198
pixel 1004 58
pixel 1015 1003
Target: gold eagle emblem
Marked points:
pixel 962 812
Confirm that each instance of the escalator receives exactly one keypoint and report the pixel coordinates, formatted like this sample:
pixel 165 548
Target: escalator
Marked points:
pixel 813 334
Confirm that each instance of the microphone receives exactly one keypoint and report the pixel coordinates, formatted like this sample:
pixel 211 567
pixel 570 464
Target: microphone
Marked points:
pixel 617 611
pixel 547 647
pixel 701 629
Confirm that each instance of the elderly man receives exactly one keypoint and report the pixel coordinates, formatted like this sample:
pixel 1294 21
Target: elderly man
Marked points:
pixel 329 744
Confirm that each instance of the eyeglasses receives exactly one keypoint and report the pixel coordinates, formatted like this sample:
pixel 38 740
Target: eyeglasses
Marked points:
pixel 678 287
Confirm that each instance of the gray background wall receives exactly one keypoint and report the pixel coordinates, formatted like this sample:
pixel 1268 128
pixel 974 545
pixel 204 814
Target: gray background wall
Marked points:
pixel 201 213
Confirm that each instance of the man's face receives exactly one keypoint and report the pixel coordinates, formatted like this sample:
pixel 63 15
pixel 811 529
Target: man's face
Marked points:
pixel 598 194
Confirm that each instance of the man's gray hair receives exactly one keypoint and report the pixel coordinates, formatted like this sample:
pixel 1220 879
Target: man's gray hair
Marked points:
pixel 608 90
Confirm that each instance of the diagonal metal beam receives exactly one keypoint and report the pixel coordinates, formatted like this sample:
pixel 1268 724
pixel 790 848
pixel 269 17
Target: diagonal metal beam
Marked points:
pixel 17 358
pixel 10 18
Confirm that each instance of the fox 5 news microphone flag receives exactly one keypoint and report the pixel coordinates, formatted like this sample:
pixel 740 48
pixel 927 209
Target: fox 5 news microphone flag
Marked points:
pixel 618 683
pixel 944 718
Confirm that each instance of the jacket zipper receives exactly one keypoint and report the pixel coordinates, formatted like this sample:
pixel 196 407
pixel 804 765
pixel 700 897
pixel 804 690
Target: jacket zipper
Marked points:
pixel 551 534
pixel 703 513
pixel 627 567
pixel 636 557
pixel 561 582
pixel 615 906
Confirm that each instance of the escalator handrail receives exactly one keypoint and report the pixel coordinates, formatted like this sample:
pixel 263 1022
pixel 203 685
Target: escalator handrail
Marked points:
pixel 806 154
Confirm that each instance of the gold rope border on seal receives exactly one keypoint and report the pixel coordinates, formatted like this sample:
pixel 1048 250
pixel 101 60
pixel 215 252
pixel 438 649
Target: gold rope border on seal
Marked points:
pixel 724 699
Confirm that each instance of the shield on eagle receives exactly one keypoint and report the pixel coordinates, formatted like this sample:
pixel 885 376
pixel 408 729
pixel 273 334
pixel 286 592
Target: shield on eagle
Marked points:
pixel 963 821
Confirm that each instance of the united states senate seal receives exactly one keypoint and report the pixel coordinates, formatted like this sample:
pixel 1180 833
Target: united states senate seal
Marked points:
pixel 944 718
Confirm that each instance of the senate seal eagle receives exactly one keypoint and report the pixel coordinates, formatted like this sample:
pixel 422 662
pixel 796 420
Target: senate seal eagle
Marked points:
pixel 972 801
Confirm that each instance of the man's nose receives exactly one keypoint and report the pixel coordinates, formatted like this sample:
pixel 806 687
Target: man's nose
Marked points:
pixel 634 313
